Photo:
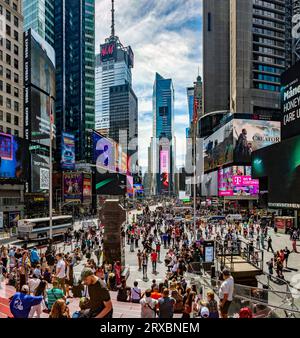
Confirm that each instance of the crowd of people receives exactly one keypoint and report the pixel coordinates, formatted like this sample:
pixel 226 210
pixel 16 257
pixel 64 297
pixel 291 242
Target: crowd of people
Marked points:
pixel 45 282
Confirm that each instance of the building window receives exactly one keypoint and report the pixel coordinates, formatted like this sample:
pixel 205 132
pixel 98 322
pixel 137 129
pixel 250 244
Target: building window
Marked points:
pixel 16 35
pixel 15 7
pixel 1 115
pixel 8 74
pixel 16 21
pixel 1 85
pixel 16 132
pixel 8 130
pixel 1 70
pixel 16 78
pixel 16 50
pixel 16 63
pixel 16 120
pixel 8 117
pixel 8 44
pixel 16 92
pixel 8 88
pixel 8 15
pixel 16 106
pixel 8 30
pixel 8 103
pixel 1 100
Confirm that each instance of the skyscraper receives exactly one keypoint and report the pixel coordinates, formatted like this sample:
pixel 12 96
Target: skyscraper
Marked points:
pixel 13 157
pixel 75 73
pixel 163 134
pixel 39 16
pixel 190 98
pixel 116 102
pixel 244 69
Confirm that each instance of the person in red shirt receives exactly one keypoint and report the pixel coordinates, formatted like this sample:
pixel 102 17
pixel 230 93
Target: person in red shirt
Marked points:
pixel 155 294
pixel 154 260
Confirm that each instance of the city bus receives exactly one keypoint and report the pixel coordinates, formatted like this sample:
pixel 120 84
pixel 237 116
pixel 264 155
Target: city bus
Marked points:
pixel 39 228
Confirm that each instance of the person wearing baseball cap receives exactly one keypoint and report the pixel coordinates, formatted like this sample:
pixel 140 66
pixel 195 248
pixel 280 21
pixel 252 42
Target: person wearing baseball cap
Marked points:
pixel 100 301
pixel 21 302
pixel 226 293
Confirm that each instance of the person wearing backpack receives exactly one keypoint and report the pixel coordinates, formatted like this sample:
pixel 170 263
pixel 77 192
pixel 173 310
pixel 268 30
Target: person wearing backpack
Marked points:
pixel 136 293
pixel 166 305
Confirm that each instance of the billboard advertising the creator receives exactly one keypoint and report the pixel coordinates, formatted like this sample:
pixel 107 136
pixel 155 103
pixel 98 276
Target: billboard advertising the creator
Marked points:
pixel 251 135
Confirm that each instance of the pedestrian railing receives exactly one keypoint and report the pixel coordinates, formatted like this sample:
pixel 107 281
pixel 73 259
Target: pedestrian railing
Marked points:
pixel 264 302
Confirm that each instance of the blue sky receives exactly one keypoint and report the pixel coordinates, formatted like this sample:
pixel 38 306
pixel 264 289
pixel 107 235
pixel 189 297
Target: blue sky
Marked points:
pixel 166 37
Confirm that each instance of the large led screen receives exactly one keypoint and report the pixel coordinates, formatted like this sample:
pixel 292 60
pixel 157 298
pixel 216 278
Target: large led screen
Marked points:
pixel 87 188
pixel 218 148
pixel 209 186
pixel 104 153
pixel 72 187
pixel 111 184
pixel 68 151
pixel 251 135
pixel 40 173
pixel 237 181
pixel 14 158
pixel 281 164
pixel 164 169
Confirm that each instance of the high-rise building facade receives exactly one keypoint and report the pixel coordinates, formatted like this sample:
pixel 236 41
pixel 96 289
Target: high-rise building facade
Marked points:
pixel 163 141
pixel 39 16
pixel 190 98
pixel 256 49
pixel 75 72
pixel 12 146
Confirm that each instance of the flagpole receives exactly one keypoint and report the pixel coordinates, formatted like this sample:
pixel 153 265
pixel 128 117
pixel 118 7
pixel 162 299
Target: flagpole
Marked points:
pixel 50 174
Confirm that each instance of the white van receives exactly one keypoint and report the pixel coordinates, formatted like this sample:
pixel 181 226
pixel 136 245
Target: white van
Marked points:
pixel 234 217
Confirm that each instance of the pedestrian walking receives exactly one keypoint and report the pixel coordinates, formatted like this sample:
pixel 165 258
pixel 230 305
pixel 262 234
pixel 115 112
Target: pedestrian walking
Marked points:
pixel 270 244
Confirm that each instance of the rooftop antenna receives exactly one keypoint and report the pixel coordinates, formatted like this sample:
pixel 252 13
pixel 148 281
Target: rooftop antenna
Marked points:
pixel 113 18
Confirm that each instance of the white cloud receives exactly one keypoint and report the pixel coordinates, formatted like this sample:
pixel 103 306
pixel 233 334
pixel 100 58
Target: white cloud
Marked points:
pixel 163 41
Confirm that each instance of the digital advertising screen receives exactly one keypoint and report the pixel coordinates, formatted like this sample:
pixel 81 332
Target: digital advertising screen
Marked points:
pixel 42 64
pixel 251 135
pixel 290 101
pixel 164 169
pixel 87 187
pixel 104 151
pixel 218 148
pixel 209 186
pixel 72 187
pixel 280 163
pixel 108 51
pixel 113 184
pixel 14 158
pixel 130 189
pixel 237 181
pixel 68 151
pixel 40 173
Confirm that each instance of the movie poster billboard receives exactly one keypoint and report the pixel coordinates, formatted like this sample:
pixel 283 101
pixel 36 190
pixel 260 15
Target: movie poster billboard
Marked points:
pixel 218 148
pixel 164 169
pixel 72 187
pixel 87 188
pixel 251 135
pixel 237 181
pixel 68 151
pixel 14 158
pixel 40 173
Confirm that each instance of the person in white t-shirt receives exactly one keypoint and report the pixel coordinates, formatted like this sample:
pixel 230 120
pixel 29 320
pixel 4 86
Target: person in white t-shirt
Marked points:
pixel 61 272
pixel 226 293
pixel 136 293
pixel 148 305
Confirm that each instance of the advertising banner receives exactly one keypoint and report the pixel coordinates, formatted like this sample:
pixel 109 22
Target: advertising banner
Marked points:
pixel 104 152
pixel 251 135
pixel 237 181
pixel 72 187
pixel 164 169
pixel 68 151
pixel 209 187
pixel 218 148
pixel 130 190
pixel 108 51
pixel 87 188
pixel 13 218
pixel 14 158
pixel 290 101
pixel 40 173
pixel 111 184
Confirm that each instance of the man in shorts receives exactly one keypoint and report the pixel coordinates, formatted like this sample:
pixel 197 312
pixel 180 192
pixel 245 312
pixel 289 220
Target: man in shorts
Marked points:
pixel 226 293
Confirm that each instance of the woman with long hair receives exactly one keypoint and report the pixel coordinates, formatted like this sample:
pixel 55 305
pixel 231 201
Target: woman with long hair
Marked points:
pixel 39 291
pixel 60 310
